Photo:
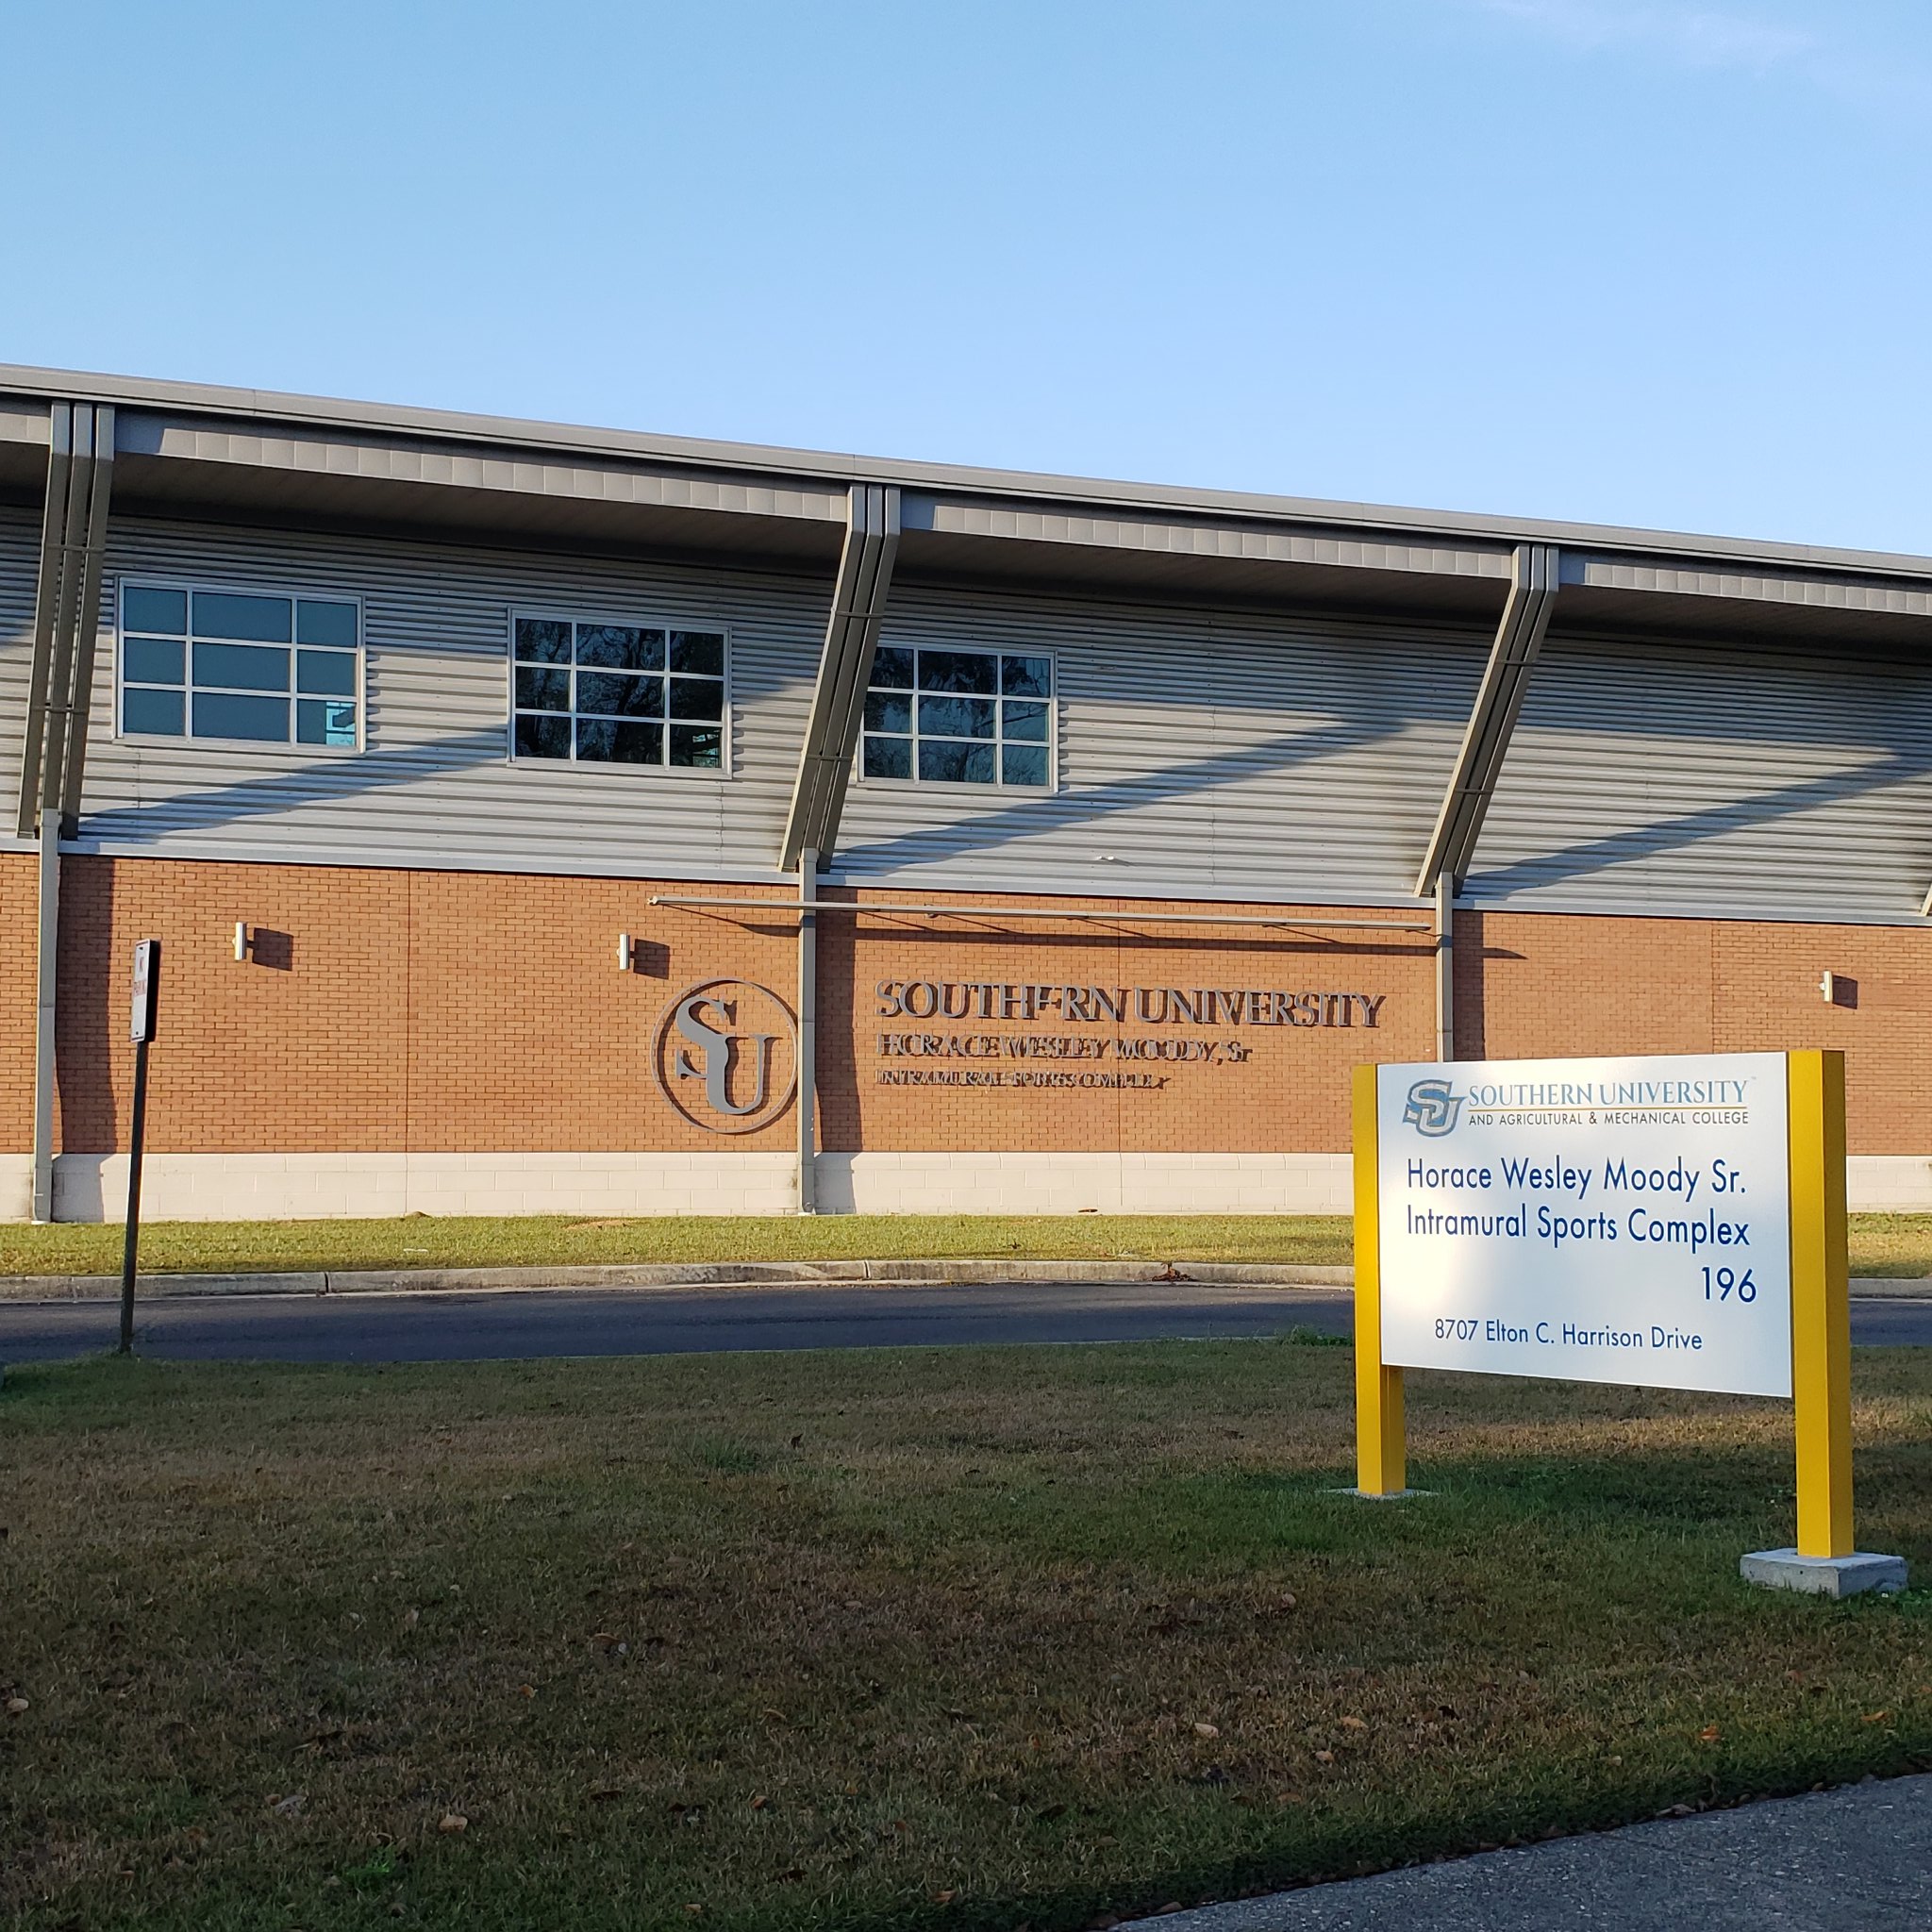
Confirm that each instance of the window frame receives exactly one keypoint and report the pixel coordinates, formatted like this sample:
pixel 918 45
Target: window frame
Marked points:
pixel 960 788
pixel 563 613
pixel 188 740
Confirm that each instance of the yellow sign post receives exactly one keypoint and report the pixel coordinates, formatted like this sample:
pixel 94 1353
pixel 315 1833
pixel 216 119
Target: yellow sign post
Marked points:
pixel 1381 1441
pixel 1825 1559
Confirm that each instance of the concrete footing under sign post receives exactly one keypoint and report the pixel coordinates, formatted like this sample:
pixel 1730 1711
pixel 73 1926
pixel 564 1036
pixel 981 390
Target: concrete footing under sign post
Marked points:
pixel 1823 1575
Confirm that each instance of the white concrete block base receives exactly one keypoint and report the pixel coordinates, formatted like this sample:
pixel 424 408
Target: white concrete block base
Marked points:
pixel 301 1186
pixel 1823 1576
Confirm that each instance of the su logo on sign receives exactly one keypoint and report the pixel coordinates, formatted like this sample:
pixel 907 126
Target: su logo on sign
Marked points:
pixel 726 1056
pixel 1434 1107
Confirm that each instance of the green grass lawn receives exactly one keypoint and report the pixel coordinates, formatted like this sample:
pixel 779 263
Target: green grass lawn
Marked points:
pixel 421 1241
pixel 1894 1244
pixel 893 1640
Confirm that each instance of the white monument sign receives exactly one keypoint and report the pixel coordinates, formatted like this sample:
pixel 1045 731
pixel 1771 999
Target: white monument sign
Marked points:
pixel 1620 1220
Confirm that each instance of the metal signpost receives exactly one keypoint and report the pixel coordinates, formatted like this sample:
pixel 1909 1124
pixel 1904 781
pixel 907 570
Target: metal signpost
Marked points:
pixel 1671 1221
pixel 147 990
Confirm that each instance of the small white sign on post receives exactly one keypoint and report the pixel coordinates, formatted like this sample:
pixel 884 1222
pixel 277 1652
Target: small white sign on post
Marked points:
pixel 1622 1220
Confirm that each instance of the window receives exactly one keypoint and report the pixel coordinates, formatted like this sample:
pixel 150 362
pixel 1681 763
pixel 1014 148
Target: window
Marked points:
pixel 960 718
pixel 617 694
pixel 240 665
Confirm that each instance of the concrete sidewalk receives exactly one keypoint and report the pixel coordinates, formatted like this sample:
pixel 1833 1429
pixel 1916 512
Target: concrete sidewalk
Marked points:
pixel 1852 1860
pixel 973 1273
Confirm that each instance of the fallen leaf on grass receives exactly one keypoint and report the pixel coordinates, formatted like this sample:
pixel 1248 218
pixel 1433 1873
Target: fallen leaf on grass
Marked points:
pixel 759 1803
pixel 1207 1730
pixel 943 1898
pixel 1874 1717
pixel 526 1690
pixel 411 1618
pixel 15 1705
pixel 1325 1757
pixel 1355 1723
pixel 1708 1735
pixel 452 1823
pixel 290 1807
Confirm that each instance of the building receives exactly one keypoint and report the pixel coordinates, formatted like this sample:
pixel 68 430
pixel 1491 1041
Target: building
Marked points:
pixel 553 819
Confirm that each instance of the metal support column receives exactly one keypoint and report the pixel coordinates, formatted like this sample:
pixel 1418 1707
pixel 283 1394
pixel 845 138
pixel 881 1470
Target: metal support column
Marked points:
pixel 74 528
pixel 1445 967
pixel 807 1035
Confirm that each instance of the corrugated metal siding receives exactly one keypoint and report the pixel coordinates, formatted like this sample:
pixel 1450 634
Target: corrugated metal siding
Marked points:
pixel 1680 778
pixel 434 784
pixel 1259 758
pixel 20 564
pixel 1205 752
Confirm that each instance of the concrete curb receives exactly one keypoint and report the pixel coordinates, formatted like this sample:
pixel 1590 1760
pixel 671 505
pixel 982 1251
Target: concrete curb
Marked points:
pixel 42 1288
pixel 87 1287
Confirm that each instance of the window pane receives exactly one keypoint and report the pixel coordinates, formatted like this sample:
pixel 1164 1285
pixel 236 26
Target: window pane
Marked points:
pixel 333 673
pixel 158 711
pixel 954 764
pixel 889 757
pixel 619 647
pixel 607 742
pixel 609 696
pixel 542 690
pixel 245 666
pixel 702 745
pixel 322 721
pixel 955 717
pixel 886 711
pixel 1026 677
pixel 698 651
pixel 542 641
pixel 324 624
pixel 220 614
pixel 152 660
pixel 1024 764
pixel 698 697
pixel 892 669
pixel 145 609
pixel 1025 720
pixel 971 671
pixel 542 737
pixel 216 716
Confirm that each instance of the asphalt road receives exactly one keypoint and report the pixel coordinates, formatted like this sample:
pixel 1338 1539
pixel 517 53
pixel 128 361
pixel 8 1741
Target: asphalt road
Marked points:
pixel 1852 1860
pixel 452 1326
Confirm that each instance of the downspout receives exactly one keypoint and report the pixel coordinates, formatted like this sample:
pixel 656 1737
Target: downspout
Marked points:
pixel 1445 966
pixel 807 1033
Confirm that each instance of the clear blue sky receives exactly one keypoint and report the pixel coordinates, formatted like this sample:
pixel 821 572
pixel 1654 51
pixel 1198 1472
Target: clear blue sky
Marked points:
pixel 1640 264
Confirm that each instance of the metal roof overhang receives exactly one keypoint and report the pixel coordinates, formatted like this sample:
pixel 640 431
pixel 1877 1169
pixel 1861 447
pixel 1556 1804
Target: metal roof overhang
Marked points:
pixel 194 450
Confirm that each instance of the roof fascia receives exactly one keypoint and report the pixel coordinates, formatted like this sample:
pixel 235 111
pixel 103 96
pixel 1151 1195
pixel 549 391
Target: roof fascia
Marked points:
pixel 451 425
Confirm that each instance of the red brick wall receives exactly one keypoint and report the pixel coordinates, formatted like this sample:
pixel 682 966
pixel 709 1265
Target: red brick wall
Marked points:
pixel 469 1012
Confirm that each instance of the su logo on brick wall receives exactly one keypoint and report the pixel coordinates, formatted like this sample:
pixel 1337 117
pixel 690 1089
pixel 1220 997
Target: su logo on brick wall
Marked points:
pixel 726 1056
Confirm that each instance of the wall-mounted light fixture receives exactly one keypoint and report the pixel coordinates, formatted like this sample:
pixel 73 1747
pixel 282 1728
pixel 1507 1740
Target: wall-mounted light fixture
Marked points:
pixel 1840 990
pixel 623 951
pixel 244 939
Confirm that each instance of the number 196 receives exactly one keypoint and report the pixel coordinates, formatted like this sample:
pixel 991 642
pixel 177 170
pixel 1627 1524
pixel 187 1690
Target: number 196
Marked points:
pixel 1727 1282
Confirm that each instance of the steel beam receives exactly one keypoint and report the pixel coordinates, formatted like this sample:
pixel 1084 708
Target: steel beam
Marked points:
pixel 1533 583
pixel 87 625
pixel 838 701
pixel 46 606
